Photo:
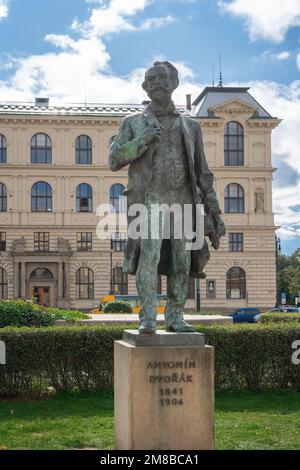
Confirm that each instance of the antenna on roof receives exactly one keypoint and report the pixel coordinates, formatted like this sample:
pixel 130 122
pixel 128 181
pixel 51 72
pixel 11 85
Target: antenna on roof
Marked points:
pixel 221 75
pixel 213 74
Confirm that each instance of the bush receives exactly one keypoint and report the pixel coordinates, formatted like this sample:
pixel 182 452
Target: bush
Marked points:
pixel 24 313
pixel 117 306
pixel 280 317
pixel 69 315
pixel 81 357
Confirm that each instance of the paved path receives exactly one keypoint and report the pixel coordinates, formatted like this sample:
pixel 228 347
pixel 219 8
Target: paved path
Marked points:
pixel 119 319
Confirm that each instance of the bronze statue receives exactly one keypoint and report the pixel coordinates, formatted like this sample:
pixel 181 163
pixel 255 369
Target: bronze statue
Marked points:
pixel 167 165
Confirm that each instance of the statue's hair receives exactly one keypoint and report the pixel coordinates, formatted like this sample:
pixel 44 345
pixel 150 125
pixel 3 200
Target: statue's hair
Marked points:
pixel 172 70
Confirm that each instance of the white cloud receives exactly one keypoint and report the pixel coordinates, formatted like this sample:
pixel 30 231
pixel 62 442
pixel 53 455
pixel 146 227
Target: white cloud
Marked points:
pixel 269 55
pixel 284 55
pixel 265 19
pixel 3 9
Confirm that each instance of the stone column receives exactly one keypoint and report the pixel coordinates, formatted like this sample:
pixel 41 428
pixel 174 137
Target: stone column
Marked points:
pixel 164 392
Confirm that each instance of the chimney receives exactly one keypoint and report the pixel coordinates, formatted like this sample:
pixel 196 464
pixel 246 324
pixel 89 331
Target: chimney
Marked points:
pixel 189 102
pixel 42 102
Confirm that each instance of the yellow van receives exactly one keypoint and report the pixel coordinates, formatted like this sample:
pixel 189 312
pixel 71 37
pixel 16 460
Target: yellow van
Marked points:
pixel 133 300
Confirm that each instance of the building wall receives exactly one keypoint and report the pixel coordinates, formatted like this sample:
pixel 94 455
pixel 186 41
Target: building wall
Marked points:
pixel 257 259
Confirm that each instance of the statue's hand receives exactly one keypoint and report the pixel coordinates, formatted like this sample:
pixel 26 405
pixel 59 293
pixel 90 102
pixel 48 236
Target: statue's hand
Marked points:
pixel 151 134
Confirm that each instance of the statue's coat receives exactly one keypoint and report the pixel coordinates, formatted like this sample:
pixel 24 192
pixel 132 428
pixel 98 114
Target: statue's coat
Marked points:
pixel 128 148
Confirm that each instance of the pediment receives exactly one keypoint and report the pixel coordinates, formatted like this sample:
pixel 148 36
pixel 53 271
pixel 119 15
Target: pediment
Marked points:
pixel 234 105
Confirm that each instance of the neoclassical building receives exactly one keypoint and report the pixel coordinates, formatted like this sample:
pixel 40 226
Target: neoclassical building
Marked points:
pixel 54 174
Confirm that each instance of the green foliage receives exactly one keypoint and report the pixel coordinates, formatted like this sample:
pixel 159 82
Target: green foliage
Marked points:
pixel 21 313
pixel 69 315
pixel 26 313
pixel 117 306
pixel 254 356
pixel 81 357
pixel 276 317
pixel 288 275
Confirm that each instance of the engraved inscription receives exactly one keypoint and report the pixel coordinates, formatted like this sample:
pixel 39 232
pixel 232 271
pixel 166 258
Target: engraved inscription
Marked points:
pixel 174 373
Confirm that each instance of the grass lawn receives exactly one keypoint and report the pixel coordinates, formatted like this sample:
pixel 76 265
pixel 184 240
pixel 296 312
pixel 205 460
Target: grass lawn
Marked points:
pixel 244 420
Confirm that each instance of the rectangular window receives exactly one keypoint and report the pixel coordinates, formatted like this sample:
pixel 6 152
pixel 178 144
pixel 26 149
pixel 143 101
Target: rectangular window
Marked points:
pixel 2 241
pixel 84 241
pixel 41 242
pixel 118 241
pixel 236 242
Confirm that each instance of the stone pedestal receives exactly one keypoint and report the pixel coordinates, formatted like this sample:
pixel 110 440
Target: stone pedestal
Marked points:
pixel 164 392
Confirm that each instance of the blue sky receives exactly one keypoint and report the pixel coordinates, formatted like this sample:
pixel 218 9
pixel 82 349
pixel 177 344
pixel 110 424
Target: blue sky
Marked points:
pixel 69 49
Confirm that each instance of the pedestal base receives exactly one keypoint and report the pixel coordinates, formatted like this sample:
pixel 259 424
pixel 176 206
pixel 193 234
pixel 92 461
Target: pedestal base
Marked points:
pixel 164 395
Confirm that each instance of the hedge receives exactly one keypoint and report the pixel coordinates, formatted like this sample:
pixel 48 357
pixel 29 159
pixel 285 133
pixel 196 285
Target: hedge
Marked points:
pixel 26 313
pixel 81 357
pixel 117 306
pixel 280 317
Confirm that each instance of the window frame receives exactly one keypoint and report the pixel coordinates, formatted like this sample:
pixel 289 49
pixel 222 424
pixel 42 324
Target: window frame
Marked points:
pixel 231 201
pixel 3 149
pixel 81 149
pixel 3 284
pixel 84 242
pixel 118 241
pixel 120 280
pixel 236 241
pixel 115 197
pixel 41 242
pixel 81 283
pixel 35 149
pixel 80 198
pixel 238 148
pixel 3 197
pixel 2 241
pixel 237 284
pixel 46 198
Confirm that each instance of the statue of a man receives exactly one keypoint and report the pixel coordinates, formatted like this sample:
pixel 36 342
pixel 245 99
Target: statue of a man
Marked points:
pixel 167 165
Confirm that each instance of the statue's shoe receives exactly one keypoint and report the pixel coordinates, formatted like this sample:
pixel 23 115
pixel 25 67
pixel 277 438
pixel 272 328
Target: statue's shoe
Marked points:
pixel 180 327
pixel 147 329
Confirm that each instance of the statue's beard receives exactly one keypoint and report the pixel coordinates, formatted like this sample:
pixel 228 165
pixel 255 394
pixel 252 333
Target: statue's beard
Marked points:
pixel 160 94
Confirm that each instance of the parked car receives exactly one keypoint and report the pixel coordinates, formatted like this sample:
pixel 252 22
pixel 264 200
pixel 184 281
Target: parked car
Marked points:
pixel 285 309
pixel 245 315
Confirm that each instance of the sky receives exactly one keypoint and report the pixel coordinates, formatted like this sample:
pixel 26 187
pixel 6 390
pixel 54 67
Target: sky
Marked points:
pixel 97 51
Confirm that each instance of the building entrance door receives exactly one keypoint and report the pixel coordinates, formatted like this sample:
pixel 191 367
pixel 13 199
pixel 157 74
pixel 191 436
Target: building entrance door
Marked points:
pixel 42 295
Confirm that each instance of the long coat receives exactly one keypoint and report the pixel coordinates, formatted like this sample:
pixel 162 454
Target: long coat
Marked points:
pixel 128 149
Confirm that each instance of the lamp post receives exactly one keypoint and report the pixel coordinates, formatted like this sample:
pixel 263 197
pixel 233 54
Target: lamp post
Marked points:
pixel 111 272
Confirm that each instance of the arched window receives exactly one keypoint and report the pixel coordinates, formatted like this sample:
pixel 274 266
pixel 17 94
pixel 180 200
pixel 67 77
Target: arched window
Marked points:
pixel 84 150
pixel 115 195
pixel 120 282
pixel 234 199
pixel 41 149
pixel 41 274
pixel 234 144
pixel 41 197
pixel 236 284
pixel 84 198
pixel 3 284
pixel 84 282
pixel 3 149
pixel 3 198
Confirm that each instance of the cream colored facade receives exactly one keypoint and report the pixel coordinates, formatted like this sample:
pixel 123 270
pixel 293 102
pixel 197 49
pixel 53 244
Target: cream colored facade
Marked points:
pixel 63 125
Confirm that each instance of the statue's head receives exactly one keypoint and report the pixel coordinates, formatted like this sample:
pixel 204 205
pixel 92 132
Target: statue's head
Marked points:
pixel 160 81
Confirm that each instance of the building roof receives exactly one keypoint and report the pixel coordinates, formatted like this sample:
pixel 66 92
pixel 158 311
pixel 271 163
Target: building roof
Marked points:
pixel 88 110
pixel 216 96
